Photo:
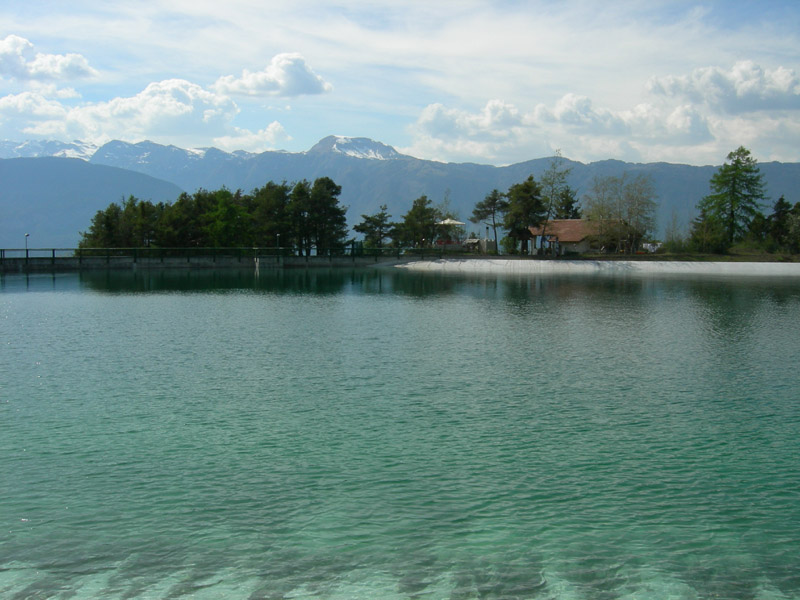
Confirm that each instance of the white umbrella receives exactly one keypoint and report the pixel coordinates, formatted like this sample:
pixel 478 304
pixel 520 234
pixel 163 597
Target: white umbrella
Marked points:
pixel 450 222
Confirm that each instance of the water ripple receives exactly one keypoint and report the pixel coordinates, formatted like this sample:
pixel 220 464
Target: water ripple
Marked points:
pixel 441 439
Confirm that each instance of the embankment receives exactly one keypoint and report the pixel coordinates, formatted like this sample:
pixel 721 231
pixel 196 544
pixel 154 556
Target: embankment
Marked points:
pixel 500 266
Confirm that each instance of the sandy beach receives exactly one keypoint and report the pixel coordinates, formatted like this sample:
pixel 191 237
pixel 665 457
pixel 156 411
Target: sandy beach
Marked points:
pixel 595 267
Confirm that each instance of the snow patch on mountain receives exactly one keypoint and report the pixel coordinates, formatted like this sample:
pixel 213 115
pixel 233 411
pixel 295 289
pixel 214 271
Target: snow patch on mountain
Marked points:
pixel 357 147
pixel 144 152
pixel 39 148
pixel 128 156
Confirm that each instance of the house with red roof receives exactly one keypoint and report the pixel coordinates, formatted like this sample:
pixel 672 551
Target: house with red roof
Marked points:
pixel 566 235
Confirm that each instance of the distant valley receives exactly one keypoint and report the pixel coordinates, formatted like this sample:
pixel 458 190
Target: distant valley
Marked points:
pixel 53 189
pixel 53 199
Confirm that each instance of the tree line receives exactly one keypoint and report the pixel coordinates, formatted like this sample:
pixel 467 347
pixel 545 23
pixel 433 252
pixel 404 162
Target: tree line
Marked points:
pixel 303 216
pixel 623 211
pixel 308 217
pixel 525 204
pixel 732 214
pixel 623 208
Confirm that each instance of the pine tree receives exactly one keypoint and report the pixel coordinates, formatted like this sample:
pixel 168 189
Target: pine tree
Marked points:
pixel 779 222
pixel 567 205
pixel 418 227
pixel 490 210
pixel 526 209
pixel 376 228
pixel 737 188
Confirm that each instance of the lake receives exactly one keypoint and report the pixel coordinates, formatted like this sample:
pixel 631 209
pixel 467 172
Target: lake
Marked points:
pixel 386 434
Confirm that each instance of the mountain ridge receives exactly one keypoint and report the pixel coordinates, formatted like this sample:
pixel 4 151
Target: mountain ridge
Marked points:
pixel 372 174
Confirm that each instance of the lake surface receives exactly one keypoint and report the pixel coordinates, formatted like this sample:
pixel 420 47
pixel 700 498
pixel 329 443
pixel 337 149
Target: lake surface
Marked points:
pixel 384 434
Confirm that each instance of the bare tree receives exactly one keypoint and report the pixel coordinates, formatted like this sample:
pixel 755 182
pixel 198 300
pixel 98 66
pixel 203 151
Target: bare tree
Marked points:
pixel 553 183
pixel 624 209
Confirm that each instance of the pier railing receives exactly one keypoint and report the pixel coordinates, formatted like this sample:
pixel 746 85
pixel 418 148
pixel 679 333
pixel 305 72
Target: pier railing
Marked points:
pixel 68 259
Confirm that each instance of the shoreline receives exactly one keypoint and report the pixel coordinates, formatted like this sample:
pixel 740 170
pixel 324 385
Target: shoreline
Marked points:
pixel 499 266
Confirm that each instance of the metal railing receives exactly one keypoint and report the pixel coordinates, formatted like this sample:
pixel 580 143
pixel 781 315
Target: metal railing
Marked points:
pixel 153 252
pixel 42 259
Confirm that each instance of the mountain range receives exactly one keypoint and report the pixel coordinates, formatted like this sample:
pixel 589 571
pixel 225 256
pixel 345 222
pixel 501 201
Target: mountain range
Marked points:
pixel 53 189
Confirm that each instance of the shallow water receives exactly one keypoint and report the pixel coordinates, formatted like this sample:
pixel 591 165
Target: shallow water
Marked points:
pixel 375 434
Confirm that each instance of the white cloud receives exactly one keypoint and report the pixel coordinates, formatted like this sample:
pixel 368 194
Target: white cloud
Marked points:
pixel 447 133
pixel 243 139
pixel 172 107
pixel 745 87
pixel 54 91
pixel 680 125
pixel 418 74
pixel 685 124
pixel 169 110
pixel 501 132
pixel 19 61
pixel 576 112
pixel 494 121
pixel 173 111
pixel 31 105
pixel 287 75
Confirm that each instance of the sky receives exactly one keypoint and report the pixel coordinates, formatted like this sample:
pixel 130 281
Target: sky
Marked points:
pixel 492 82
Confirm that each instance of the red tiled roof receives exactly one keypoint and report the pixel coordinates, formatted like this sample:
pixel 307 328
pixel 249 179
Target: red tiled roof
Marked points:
pixel 567 230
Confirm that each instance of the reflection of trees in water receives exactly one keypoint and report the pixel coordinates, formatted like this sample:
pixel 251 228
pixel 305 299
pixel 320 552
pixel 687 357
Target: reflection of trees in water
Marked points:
pixel 421 285
pixel 565 297
pixel 730 307
pixel 279 281
pixel 723 306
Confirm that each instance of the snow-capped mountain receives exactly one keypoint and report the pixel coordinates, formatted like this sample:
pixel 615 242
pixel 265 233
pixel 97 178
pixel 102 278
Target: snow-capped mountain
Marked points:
pixel 357 147
pixel 371 174
pixel 39 148
pixel 188 168
pixel 126 154
pixel 211 168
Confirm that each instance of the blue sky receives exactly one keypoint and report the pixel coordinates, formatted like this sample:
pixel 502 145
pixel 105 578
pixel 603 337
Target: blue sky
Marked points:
pixel 468 80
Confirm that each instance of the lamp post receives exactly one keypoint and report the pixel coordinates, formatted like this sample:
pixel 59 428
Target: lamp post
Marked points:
pixel 26 245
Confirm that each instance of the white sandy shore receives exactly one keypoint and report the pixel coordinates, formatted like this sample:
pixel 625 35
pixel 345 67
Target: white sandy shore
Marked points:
pixel 611 267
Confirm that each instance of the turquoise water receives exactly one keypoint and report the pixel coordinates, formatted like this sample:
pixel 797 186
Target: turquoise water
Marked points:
pixel 374 434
